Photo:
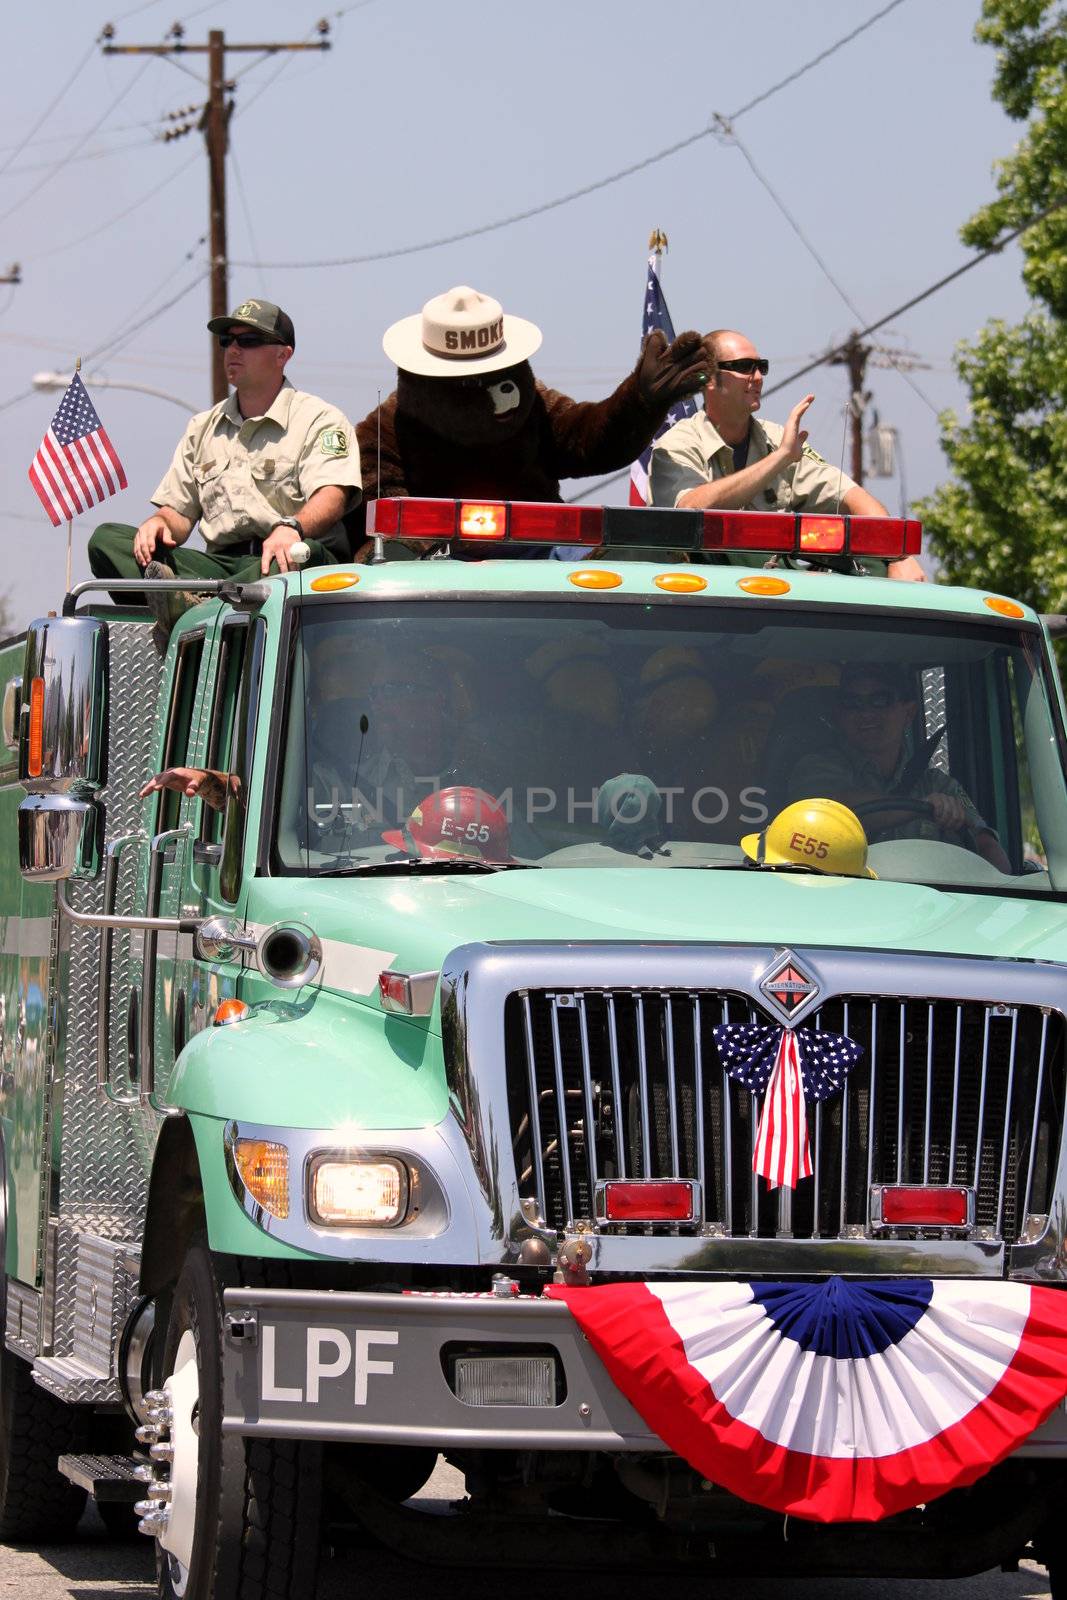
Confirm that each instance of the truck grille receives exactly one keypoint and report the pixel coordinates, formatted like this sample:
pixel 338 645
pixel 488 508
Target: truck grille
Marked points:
pixel 628 1084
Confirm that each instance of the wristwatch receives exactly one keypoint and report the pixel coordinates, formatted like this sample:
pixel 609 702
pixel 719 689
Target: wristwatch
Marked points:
pixel 290 522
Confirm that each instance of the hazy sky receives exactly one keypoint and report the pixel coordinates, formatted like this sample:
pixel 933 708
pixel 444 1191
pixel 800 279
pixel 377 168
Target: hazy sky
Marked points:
pixel 424 120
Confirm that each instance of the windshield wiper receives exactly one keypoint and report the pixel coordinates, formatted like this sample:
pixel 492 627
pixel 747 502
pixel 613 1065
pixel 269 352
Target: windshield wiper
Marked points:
pixel 423 866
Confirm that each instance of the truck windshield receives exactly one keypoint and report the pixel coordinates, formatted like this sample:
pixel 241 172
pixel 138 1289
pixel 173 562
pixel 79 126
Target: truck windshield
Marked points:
pixel 666 735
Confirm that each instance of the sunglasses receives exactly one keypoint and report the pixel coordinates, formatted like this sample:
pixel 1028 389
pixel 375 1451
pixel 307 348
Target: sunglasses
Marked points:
pixel 876 700
pixel 245 341
pixel 747 365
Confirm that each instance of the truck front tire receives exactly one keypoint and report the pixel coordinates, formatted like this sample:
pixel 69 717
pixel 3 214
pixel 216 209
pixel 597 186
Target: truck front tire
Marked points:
pixel 252 1505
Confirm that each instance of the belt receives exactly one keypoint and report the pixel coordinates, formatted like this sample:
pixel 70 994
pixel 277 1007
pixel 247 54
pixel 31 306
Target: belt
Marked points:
pixel 242 547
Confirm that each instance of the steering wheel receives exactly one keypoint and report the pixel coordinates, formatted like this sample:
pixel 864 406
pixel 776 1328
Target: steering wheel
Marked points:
pixel 912 808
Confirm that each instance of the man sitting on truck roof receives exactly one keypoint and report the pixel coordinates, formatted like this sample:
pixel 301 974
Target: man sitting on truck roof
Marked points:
pixel 723 459
pixel 869 769
pixel 265 469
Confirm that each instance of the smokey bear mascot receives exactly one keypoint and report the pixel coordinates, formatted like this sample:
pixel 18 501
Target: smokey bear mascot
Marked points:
pixel 468 419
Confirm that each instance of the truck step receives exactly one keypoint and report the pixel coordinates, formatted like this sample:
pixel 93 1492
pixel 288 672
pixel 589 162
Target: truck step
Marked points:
pixel 105 1477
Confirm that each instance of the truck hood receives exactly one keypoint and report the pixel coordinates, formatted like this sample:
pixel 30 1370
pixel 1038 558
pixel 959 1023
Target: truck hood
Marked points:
pixel 413 923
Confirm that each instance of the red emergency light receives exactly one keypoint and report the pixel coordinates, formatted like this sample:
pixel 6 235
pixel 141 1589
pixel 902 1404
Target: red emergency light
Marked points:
pixel 651 529
pixel 647 1200
pixel 921 1206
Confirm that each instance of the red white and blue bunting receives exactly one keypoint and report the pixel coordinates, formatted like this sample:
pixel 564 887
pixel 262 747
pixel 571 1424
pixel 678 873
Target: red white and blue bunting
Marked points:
pixel 838 1401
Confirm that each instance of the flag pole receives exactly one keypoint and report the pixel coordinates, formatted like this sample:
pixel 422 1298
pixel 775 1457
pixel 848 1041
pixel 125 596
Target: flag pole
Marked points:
pixel 70 521
pixel 657 246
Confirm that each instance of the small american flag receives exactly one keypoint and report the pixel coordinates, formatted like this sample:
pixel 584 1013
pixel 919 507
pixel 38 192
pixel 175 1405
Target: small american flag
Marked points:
pixel 787 1068
pixel 76 465
pixel 655 316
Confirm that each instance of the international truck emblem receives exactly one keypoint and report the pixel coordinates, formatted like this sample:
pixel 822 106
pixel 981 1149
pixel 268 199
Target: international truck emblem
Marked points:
pixel 787 986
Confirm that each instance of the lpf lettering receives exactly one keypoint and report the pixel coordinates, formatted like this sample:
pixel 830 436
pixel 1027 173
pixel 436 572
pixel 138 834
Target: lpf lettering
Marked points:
pixel 484 338
pixel 330 1353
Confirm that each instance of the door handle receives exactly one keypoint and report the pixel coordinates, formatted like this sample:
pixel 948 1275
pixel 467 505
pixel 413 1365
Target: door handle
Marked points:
pixel 157 856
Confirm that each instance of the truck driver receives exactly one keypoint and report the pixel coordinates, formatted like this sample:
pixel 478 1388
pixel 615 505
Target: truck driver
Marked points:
pixel 868 763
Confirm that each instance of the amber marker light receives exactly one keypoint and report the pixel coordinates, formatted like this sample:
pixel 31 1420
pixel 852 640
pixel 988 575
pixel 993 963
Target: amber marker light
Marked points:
pixel 481 522
pixel 263 1166
pixel 763 585
pixel 35 754
pixel 1003 608
pixel 594 578
pixel 334 580
pixel 229 1011
pixel 680 582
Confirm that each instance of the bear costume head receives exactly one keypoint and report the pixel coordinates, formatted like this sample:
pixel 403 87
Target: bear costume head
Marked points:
pixel 469 420
pixel 463 368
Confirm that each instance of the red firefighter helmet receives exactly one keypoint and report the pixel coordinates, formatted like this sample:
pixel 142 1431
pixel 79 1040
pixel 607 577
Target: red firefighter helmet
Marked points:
pixel 455 822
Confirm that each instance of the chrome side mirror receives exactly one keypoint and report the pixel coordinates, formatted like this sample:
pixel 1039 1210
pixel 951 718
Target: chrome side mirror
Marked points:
pixel 62 730
pixel 59 837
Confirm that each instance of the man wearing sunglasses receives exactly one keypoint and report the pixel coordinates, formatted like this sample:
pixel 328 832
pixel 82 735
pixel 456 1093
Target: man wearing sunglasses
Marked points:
pixel 724 459
pixel 869 765
pixel 265 468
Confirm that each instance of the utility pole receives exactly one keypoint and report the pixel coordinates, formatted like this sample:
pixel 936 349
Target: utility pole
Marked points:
pixel 215 127
pixel 854 355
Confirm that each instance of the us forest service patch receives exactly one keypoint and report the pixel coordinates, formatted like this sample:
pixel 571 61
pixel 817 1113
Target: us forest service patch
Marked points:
pixel 334 442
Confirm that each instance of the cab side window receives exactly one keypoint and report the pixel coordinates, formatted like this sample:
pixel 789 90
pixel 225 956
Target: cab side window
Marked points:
pixel 179 725
pixel 244 738
pixel 222 733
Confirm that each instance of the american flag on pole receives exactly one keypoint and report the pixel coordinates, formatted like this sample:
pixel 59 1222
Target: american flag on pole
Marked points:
pixel 656 316
pixel 76 465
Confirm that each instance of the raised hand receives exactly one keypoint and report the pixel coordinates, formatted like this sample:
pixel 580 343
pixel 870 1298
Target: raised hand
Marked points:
pixel 669 373
pixel 794 437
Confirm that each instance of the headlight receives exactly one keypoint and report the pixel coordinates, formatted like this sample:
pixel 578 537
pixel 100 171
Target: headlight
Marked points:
pixel 347 1192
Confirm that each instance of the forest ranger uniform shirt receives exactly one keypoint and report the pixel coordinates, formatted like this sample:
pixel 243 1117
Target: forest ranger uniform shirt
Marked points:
pixel 237 476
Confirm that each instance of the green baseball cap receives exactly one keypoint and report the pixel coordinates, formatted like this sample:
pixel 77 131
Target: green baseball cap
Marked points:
pixel 262 316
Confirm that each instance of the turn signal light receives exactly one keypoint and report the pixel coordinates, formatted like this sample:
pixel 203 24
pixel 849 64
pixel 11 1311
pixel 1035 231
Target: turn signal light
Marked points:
pixel 263 1166
pixel 229 1011
pixel 921 1206
pixel 35 754
pixel 648 1200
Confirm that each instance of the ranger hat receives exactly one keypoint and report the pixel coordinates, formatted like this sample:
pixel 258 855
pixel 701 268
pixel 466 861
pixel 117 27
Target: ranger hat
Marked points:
pixel 459 334
pixel 262 316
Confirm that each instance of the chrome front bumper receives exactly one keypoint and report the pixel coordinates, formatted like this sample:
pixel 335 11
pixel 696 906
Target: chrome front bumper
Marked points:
pixel 371 1369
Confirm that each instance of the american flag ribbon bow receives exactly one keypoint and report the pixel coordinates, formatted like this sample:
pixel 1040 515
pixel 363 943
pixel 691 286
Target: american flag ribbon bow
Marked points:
pixel 788 1068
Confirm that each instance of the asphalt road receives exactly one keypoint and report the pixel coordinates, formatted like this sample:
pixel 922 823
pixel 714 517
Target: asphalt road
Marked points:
pixel 95 1567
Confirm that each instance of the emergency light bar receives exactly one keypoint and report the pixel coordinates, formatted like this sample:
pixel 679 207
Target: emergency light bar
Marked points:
pixel 652 528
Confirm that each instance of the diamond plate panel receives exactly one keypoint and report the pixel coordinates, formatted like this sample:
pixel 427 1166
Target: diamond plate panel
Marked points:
pixel 105 1150
pixel 23 1331
pixel 934 713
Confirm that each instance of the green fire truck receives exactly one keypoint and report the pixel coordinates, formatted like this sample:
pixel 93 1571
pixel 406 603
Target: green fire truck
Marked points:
pixel 302 1107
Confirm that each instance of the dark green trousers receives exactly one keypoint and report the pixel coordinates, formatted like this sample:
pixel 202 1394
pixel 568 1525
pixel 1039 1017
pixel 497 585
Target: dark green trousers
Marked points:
pixel 111 556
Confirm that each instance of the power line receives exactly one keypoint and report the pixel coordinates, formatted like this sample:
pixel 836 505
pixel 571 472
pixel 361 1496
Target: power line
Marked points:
pixel 128 333
pixel 950 277
pixel 103 227
pixel 872 327
pixel 730 135
pixel 574 194
pixel 815 61
pixel 47 112
pixel 59 165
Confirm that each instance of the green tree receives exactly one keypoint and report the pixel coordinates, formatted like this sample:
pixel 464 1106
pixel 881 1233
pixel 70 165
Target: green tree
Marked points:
pixel 1001 522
